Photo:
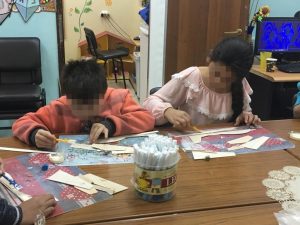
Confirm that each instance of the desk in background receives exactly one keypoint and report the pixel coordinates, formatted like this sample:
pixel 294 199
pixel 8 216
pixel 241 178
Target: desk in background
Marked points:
pixel 227 190
pixel 273 93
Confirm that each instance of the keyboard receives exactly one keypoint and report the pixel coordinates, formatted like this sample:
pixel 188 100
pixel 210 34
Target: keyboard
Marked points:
pixel 289 67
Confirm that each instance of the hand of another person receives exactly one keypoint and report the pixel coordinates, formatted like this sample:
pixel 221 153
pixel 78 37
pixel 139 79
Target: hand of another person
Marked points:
pixel 38 204
pixel 44 139
pixel 177 117
pixel 247 118
pixel 96 130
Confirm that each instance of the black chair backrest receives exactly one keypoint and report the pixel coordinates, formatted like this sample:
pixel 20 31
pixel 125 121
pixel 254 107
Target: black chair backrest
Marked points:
pixel 91 41
pixel 20 60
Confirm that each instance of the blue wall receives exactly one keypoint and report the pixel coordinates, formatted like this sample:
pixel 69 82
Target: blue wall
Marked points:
pixel 43 26
pixel 283 8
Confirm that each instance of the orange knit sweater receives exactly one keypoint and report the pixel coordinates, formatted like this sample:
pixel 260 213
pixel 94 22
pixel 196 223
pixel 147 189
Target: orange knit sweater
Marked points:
pixel 57 117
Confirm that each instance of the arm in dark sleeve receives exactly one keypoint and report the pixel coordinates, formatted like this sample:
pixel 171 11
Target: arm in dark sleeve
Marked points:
pixel 9 215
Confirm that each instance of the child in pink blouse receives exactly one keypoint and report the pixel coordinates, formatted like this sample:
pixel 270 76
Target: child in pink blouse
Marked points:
pixel 202 95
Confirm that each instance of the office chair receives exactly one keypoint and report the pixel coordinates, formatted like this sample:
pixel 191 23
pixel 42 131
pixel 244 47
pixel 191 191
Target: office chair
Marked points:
pixel 20 77
pixel 105 55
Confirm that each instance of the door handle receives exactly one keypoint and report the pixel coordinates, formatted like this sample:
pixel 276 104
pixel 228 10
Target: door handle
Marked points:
pixel 237 32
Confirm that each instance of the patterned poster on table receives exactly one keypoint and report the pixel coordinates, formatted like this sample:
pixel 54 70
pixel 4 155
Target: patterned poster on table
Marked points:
pixel 26 170
pixel 221 142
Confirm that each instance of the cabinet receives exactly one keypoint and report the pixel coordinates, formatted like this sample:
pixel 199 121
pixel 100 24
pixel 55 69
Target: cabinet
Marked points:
pixel 195 26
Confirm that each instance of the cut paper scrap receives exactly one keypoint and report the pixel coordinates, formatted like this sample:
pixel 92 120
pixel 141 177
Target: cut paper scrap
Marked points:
pixel 255 143
pixel 205 155
pixel 235 147
pixel 66 178
pixel 88 191
pixel 240 140
pixel 23 150
pixel 196 138
pixel 22 196
pixel 82 146
pixel 129 151
pixel 97 187
pixel 114 187
pixel 295 135
pixel 119 138
pixel 108 147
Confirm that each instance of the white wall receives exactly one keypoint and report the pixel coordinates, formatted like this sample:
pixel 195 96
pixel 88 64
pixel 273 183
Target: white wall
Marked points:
pixel 158 24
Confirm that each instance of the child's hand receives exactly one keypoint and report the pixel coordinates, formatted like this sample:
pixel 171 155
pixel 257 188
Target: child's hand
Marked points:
pixel 44 139
pixel 36 205
pixel 247 118
pixel 177 117
pixel 96 130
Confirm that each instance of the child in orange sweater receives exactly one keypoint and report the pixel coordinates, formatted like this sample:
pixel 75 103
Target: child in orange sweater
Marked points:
pixel 88 106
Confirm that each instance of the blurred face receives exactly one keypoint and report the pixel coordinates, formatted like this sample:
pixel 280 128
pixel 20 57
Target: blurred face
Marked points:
pixel 220 77
pixel 87 109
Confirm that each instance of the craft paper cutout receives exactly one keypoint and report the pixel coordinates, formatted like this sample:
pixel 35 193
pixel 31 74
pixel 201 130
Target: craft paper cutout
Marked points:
pixel 240 140
pixel 129 151
pixel 119 138
pixel 204 155
pixel 104 183
pixel 23 150
pixel 108 147
pixel 255 143
pixel 66 178
pixel 88 191
pixel 197 138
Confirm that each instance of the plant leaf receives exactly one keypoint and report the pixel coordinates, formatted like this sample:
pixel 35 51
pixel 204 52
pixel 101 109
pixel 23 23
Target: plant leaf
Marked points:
pixel 82 24
pixel 89 3
pixel 77 10
pixel 76 29
pixel 87 9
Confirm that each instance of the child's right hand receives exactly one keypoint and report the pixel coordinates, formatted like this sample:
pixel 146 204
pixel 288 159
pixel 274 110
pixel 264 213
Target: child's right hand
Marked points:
pixel 44 139
pixel 36 205
pixel 177 117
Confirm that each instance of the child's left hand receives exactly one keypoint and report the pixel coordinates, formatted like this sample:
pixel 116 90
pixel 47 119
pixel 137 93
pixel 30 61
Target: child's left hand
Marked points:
pixel 247 118
pixel 96 130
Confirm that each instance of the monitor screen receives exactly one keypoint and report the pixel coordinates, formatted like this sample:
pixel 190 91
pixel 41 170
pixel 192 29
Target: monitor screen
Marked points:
pixel 278 34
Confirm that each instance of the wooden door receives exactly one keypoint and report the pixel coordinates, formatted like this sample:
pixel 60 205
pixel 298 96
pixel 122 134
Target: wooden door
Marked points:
pixel 195 26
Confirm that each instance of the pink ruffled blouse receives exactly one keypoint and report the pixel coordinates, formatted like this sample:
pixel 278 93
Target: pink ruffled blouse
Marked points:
pixel 186 91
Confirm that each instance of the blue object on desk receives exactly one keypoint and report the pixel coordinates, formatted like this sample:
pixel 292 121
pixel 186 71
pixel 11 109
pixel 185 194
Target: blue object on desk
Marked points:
pixel 45 167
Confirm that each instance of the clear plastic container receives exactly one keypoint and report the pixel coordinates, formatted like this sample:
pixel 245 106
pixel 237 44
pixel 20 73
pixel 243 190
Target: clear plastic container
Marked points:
pixel 155 184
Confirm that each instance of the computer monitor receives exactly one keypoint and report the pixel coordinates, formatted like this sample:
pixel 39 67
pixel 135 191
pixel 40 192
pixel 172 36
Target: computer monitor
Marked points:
pixel 279 35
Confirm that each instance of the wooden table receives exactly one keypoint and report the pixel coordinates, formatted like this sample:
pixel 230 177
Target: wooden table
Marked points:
pixel 227 187
pixel 258 215
pixel 276 76
pixel 273 92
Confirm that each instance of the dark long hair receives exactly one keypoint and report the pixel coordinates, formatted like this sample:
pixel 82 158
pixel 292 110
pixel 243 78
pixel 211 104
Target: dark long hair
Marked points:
pixel 238 55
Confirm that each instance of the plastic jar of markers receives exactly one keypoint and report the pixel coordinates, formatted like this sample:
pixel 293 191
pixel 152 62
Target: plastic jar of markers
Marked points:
pixel 155 172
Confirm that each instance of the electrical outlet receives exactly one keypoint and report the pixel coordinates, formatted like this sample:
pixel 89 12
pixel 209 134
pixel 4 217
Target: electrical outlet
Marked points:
pixel 104 13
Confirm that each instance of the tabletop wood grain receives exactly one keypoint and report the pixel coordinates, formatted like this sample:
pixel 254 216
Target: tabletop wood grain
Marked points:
pixel 258 215
pixel 232 182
